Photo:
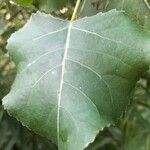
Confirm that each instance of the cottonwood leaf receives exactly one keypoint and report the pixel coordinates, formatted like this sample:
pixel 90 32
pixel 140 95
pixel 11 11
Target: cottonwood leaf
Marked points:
pixel 75 78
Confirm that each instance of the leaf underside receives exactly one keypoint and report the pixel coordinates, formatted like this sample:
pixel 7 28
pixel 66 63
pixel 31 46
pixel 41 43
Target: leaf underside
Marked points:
pixel 75 78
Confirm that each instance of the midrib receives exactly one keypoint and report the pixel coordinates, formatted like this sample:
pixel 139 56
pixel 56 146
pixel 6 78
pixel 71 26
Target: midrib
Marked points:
pixel 62 77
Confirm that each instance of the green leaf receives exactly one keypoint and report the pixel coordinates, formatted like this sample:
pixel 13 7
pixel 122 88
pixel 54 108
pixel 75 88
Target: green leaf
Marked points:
pixel 91 7
pixel 75 78
pixel 1 113
pixel 139 142
pixel 51 5
pixel 136 9
pixel 1 25
pixel 24 2
pixel 45 5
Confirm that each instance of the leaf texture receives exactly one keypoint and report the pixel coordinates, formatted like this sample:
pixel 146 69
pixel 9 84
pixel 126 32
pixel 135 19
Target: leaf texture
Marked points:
pixel 75 78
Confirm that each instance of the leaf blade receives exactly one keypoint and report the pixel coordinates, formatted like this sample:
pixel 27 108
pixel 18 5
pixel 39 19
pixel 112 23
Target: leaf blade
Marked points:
pixel 77 92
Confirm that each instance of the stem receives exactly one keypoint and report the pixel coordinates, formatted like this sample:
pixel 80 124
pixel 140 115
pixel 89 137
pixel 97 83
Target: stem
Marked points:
pixel 147 4
pixel 75 10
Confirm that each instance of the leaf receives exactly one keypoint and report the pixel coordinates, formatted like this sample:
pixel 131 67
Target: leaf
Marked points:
pixel 52 5
pixel 136 131
pixel 92 7
pixel 25 2
pixel 75 78
pixel 1 113
pixel 1 25
pixel 45 5
pixel 136 9
pixel 140 142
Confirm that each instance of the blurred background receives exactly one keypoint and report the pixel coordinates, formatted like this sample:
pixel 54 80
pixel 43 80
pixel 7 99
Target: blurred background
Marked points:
pixel 132 131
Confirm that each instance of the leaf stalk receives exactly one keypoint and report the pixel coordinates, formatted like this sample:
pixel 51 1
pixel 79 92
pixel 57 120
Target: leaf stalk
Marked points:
pixel 75 10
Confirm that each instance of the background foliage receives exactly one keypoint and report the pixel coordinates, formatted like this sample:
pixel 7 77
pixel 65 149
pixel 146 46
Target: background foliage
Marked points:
pixel 132 130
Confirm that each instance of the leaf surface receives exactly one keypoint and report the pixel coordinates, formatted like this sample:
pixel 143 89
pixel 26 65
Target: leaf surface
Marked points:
pixel 75 78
